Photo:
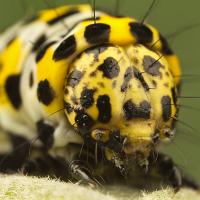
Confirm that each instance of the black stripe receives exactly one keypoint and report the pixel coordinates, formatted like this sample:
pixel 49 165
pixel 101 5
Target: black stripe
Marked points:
pixel 60 17
pixel 43 50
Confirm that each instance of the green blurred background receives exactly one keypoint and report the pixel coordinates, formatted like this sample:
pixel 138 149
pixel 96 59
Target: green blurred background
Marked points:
pixel 168 16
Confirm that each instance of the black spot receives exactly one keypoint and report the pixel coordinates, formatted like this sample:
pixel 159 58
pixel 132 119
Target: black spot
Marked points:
pixel 139 76
pixel 166 108
pixel 39 42
pixel 165 46
pixel 97 33
pixel 132 111
pixel 31 79
pixel 87 98
pixel 74 78
pixel 110 68
pixel 101 84
pixel 142 33
pixel 104 108
pixel 68 107
pixel 65 49
pixel 12 87
pixel 83 121
pixel 62 16
pixel 152 66
pixel 93 74
pixel 154 83
pixel 145 109
pixel 127 77
pixel 42 50
pixel 45 92
pixel 174 95
pixel 45 133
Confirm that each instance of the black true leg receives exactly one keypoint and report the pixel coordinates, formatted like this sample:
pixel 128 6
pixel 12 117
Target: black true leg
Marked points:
pixel 80 171
pixel 46 165
pixel 168 169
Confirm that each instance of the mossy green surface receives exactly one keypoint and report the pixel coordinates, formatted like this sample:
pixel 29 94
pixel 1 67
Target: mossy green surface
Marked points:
pixel 30 188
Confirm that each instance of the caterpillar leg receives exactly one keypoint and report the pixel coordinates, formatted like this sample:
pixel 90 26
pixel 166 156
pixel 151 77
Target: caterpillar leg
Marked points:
pixel 169 170
pixel 13 158
pixel 46 165
pixel 79 170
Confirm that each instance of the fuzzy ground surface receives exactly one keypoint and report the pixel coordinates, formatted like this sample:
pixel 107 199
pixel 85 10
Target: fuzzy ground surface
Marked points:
pixel 32 188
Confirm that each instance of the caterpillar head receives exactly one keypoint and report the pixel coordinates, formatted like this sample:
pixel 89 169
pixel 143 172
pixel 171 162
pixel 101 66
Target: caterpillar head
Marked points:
pixel 122 94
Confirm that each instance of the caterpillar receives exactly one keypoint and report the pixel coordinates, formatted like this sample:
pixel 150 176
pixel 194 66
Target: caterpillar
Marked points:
pixel 88 97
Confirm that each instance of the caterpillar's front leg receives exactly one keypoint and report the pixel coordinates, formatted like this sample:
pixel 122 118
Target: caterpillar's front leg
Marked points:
pixel 168 170
pixel 79 170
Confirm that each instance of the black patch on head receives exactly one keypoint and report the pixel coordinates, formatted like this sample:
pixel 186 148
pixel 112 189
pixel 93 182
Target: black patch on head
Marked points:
pixel 65 49
pixel 45 92
pixel 62 16
pixel 139 76
pixel 74 78
pixel 131 111
pixel 68 107
pixel 87 98
pixel 31 79
pixel 165 46
pixel 104 108
pixel 12 87
pixel 143 34
pixel 42 50
pixel 166 107
pixel 45 133
pixel 39 42
pixel 174 95
pixel 97 33
pixel 127 77
pixel 151 66
pixel 110 68
pixel 83 121
pixel 145 109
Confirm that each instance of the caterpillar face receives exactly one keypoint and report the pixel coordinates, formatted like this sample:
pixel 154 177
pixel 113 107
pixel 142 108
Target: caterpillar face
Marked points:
pixel 120 94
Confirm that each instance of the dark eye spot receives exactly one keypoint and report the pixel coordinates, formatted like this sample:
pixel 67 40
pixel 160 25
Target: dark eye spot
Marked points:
pixel 68 107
